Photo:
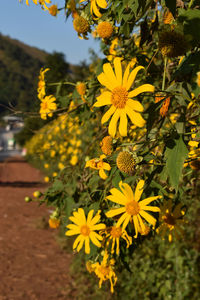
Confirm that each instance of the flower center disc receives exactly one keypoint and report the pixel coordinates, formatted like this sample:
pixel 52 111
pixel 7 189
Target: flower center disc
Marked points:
pixel 104 270
pixel 169 219
pixel 132 208
pixel 85 230
pixel 116 232
pixel 44 105
pixel 119 97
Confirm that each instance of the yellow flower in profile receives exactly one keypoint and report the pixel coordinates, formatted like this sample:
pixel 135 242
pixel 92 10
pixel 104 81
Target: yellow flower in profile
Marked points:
pixel 54 223
pixel 47 105
pixel 85 228
pixel 41 2
pixel 114 234
pixel 132 209
pixel 105 271
pixel 198 79
pixel 171 220
pixel 106 145
pixel 81 26
pixel 41 83
pixel 53 10
pixel 95 6
pixel 119 98
pixel 99 164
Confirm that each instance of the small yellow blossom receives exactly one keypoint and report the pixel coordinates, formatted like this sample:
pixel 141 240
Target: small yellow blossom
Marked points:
pixel 47 105
pixel 171 220
pixel 198 79
pixel 54 223
pixel 99 164
pixel 114 234
pixel 53 10
pixel 105 271
pixel 105 29
pixel 46 179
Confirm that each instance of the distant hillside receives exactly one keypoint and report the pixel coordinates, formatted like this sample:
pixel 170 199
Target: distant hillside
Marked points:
pixel 19 69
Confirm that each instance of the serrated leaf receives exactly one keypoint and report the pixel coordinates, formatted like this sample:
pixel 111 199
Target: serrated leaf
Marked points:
pixel 175 154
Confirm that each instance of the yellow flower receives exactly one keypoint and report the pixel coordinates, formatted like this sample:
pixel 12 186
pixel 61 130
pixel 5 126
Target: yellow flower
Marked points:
pixel 82 26
pixel 74 160
pixel 41 2
pixel 126 162
pixel 105 271
pixel 119 98
pixel 99 164
pixel 54 223
pixel 53 10
pixel 95 5
pixel 114 234
pixel 170 220
pixel 106 145
pixel 41 83
pixel 105 29
pixel 61 166
pixel 55 174
pixel 46 166
pixel 132 209
pixel 47 106
pixel 46 179
pixel 112 48
pixel 85 228
pixel 81 89
pixel 198 79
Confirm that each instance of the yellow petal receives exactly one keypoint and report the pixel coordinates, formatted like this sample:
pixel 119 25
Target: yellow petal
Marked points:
pixel 113 123
pixel 87 245
pixel 93 8
pixel 126 74
pixel 104 81
pixel 103 99
pixel 102 3
pixel 118 70
pixel 132 76
pixel 148 200
pixel 109 73
pixel 139 190
pixel 79 247
pixel 135 117
pixel 99 226
pixel 82 215
pixel 102 174
pixel 127 190
pixel 94 240
pixel 123 123
pixel 106 166
pixel 95 219
pixel 117 197
pixel 114 212
pixel 141 89
pixel 136 225
pixel 72 232
pixel 108 114
pixel 77 241
pixel 148 217
pixel 151 208
pixel 90 215
pixel 135 105
pixel 126 221
pixel 122 218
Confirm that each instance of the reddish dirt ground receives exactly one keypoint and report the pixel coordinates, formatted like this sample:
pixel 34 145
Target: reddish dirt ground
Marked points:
pixel 32 265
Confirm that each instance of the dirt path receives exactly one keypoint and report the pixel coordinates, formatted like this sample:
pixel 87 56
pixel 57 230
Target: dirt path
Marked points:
pixel 32 266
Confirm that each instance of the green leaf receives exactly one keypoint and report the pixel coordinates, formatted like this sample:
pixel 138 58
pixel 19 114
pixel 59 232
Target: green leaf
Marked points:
pixel 175 154
pixel 191 24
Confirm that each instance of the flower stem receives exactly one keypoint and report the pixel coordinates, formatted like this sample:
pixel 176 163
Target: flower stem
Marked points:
pixel 164 73
pixel 65 82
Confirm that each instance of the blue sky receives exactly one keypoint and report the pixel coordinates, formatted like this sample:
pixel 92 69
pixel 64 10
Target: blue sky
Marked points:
pixel 35 27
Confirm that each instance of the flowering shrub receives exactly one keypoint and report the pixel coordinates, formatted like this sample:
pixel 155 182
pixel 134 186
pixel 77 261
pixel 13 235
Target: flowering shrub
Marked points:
pixel 122 175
